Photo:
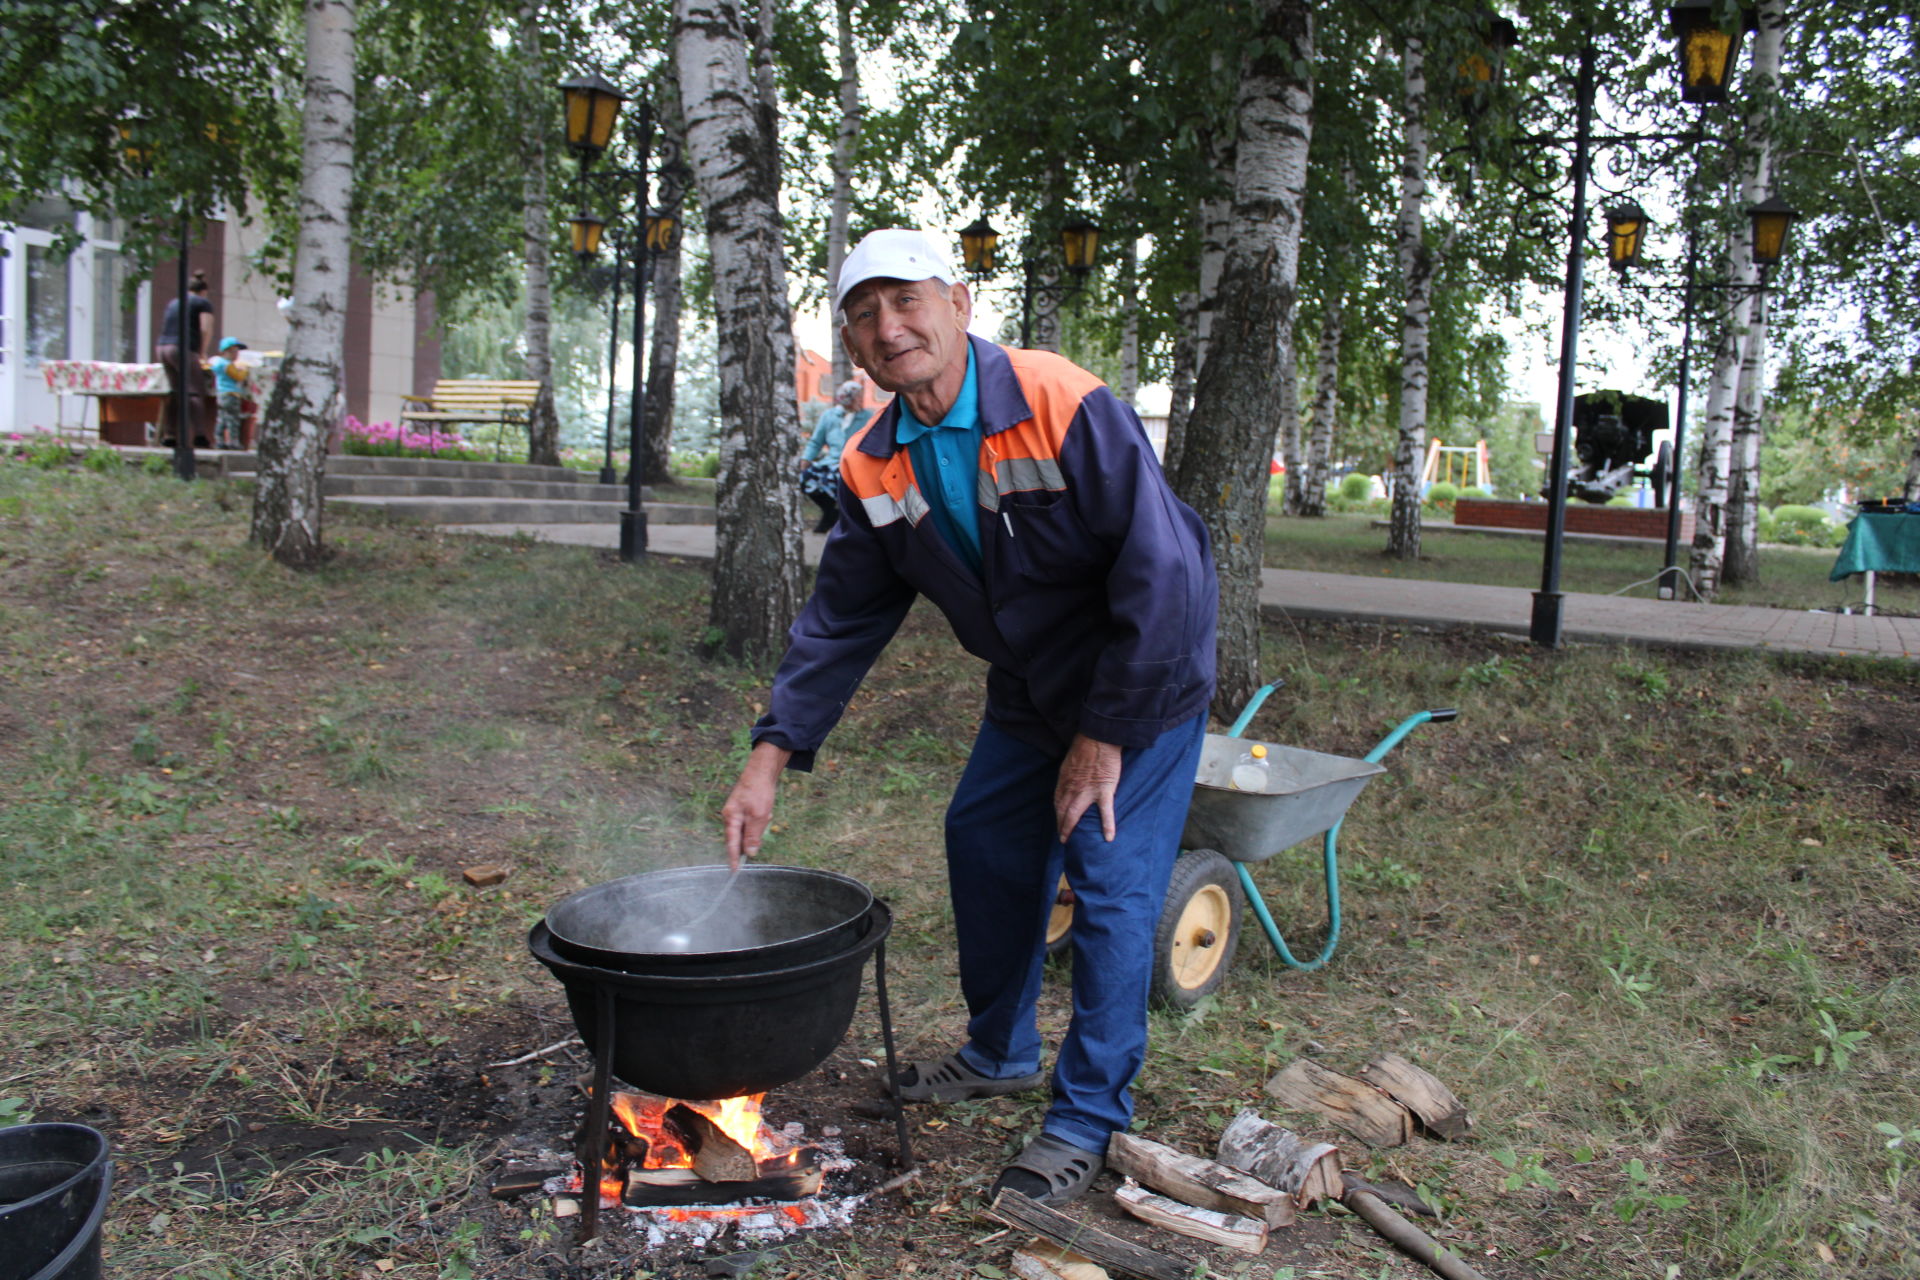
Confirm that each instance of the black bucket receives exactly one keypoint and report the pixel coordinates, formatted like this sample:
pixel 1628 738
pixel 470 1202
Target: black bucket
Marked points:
pixel 53 1196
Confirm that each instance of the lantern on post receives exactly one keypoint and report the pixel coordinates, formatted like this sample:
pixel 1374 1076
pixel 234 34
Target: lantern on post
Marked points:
pixel 592 107
pixel 1626 235
pixel 1079 241
pixel 1482 70
pixel 586 232
pixel 663 231
pixel 1772 218
pixel 1707 50
pixel 978 244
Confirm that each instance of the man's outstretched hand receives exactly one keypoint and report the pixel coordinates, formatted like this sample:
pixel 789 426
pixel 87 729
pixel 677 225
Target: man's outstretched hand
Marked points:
pixel 1088 776
pixel 749 807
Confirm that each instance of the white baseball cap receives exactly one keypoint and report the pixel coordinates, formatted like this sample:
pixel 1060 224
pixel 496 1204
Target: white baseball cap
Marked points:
pixel 893 254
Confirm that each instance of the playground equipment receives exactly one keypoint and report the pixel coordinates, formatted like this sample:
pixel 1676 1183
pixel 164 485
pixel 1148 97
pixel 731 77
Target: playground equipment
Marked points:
pixel 1452 464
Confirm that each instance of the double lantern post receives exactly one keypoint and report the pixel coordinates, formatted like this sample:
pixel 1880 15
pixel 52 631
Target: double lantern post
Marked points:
pixel 592 108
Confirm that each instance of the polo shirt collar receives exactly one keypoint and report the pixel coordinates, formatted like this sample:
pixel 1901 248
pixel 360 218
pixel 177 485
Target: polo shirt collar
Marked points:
pixel 1001 403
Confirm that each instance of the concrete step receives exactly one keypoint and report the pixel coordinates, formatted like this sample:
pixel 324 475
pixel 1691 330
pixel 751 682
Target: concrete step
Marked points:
pixel 391 486
pixel 354 464
pixel 465 510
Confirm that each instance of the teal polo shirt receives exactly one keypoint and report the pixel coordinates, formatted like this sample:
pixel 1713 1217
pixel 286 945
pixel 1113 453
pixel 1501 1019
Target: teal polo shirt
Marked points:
pixel 946 464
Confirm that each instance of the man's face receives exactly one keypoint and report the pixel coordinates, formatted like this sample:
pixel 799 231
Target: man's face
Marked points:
pixel 907 333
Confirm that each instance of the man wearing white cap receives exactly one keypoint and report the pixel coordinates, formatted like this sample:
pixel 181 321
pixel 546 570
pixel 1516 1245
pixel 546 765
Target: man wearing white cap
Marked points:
pixel 1013 490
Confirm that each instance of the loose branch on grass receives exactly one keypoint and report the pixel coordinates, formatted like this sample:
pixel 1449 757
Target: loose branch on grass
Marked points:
pixel 1403 1235
pixel 524 1058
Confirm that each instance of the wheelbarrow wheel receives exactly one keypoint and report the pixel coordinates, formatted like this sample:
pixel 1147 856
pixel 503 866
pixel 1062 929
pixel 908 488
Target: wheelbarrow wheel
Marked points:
pixel 1199 929
pixel 1060 922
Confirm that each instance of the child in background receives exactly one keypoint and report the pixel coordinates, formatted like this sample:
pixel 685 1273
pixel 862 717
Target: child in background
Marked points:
pixel 229 381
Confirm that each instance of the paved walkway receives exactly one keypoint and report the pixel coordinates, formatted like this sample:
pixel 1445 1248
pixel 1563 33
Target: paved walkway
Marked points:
pixel 1295 593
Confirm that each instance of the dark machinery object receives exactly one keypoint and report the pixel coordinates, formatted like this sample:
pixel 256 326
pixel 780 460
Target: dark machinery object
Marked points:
pixel 1613 435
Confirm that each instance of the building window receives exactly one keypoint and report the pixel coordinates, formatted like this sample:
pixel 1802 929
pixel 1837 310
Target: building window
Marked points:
pixel 47 304
pixel 115 326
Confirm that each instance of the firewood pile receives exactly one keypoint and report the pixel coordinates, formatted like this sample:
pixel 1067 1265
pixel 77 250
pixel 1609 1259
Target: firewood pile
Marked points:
pixel 1260 1178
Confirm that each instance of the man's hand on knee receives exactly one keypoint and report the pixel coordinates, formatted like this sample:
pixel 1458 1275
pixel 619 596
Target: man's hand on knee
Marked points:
pixel 1088 776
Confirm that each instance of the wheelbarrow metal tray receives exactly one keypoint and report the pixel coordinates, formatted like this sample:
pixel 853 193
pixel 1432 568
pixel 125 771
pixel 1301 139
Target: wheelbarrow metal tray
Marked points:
pixel 1306 793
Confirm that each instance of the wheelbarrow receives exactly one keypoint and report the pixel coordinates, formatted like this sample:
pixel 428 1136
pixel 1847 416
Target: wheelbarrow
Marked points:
pixel 1306 793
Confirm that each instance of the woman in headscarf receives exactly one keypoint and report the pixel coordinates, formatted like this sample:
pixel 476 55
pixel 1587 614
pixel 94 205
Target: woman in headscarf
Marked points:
pixel 821 479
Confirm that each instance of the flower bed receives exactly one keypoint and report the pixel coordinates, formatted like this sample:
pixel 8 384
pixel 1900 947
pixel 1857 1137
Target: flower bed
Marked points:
pixel 385 440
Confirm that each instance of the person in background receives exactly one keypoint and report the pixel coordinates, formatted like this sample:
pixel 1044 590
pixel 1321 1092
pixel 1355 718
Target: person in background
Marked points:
pixel 1015 492
pixel 230 385
pixel 180 357
pixel 821 479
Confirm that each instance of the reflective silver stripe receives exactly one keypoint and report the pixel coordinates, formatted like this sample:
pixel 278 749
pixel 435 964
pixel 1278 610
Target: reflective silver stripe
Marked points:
pixel 1016 475
pixel 881 509
pixel 984 491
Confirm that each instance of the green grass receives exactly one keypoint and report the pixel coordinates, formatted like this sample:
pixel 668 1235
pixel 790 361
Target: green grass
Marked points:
pixel 1652 915
pixel 1790 577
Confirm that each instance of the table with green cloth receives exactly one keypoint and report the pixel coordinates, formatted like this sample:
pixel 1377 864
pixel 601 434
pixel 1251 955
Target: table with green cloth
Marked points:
pixel 1879 542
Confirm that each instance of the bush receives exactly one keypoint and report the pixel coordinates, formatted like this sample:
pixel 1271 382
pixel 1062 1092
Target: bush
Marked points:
pixel 699 466
pixel 47 453
pixel 1799 526
pixel 1355 487
pixel 102 458
pixel 1442 494
pixel 384 440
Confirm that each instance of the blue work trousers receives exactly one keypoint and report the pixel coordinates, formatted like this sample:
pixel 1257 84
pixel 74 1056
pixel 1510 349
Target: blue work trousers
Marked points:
pixel 1004 860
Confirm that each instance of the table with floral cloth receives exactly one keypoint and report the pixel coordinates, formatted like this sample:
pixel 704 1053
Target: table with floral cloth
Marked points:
pixel 143 385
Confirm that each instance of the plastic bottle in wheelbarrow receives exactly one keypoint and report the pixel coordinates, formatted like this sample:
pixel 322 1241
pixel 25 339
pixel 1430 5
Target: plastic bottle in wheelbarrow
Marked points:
pixel 53 1195
pixel 1250 774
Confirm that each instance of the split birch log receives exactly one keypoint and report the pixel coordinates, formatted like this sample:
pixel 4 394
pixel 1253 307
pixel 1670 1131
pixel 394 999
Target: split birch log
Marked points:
pixel 1198 1182
pixel 1015 1210
pixel 674 1188
pixel 1248 1235
pixel 716 1156
pixel 1042 1259
pixel 1307 1171
pixel 1353 1105
pixel 1431 1102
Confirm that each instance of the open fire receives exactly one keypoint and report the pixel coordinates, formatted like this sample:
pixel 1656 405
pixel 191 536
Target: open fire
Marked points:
pixel 692 1170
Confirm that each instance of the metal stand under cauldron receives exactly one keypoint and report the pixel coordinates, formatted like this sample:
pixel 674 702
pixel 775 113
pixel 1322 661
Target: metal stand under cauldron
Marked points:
pixel 715 1024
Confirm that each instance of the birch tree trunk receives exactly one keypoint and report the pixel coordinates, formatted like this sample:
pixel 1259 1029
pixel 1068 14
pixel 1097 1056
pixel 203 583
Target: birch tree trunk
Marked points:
pixel 1742 562
pixel 1223 466
pixel 662 366
pixel 1186 346
pixel 1287 438
pixel 1911 489
pixel 1716 461
pixel 1216 216
pixel 309 400
pixel 846 137
pixel 543 421
pixel 1742 557
pixel 733 145
pixel 1416 278
pixel 1326 404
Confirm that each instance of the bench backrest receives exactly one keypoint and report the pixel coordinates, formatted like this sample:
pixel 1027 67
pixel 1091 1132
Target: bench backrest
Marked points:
pixel 480 393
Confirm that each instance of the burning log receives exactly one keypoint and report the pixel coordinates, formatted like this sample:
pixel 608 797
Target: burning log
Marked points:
pixel 1198 1182
pixel 1248 1235
pixel 717 1157
pixel 678 1188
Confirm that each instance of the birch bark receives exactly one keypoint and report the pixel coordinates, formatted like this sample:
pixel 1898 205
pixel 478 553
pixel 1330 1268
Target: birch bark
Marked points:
pixel 1416 278
pixel 1716 461
pixel 1287 438
pixel 732 143
pixel 1223 466
pixel 543 420
pixel 846 137
pixel 1911 489
pixel 1742 557
pixel 1186 358
pixel 1129 388
pixel 1326 405
pixel 308 402
pixel 664 295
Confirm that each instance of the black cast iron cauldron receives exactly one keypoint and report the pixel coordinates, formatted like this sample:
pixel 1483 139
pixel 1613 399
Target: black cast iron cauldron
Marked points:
pixel 772 917
pixel 717 1035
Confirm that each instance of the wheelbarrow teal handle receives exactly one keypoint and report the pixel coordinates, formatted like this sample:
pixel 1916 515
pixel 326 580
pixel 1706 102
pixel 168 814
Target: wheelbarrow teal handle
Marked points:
pixel 1329 850
pixel 1239 726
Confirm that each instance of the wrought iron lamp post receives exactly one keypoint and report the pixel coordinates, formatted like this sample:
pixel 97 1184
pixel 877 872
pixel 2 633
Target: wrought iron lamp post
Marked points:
pixel 592 107
pixel 1706 61
pixel 1079 243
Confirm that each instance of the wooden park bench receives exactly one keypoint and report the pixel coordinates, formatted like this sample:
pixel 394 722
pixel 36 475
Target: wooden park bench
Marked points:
pixel 457 401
